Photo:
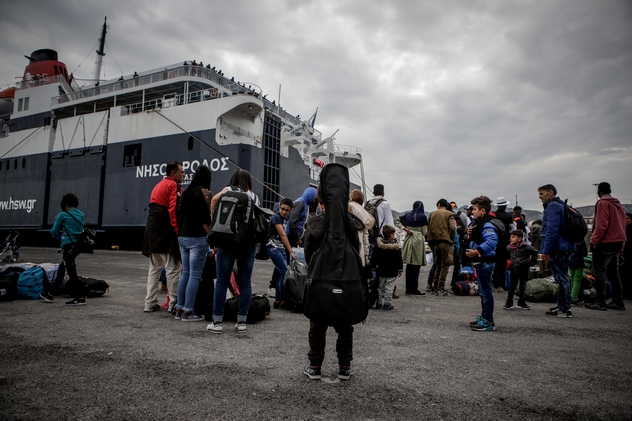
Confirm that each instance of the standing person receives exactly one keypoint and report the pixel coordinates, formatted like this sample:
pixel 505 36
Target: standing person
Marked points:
pixel 69 223
pixel 482 250
pixel 415 224
pixel 241 180
pixel 555 249
pixel 276 247
pixel 194 220
pixel 500 270
pixel 625 270
pixel 576 270
pixel 441 232
pixel 356 199
pixel 388 265
pixel 332 259
pixel 536 230
pixel 606 243
pixel 160 242
pixel 383 214
pixel 521 255
pixel 462 222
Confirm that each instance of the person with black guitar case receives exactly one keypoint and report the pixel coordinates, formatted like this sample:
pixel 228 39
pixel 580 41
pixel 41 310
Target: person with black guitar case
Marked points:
pixel 336 293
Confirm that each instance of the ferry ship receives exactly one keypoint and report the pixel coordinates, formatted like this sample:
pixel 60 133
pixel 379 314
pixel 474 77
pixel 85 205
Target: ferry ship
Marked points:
pixel 110 141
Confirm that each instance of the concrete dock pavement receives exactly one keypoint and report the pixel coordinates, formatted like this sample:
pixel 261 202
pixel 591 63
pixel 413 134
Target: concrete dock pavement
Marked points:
pixel 110 360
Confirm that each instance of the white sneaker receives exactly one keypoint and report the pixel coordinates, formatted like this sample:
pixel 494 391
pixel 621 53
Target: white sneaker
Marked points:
pixel 240 326
pixel 214 327
pixel 271 292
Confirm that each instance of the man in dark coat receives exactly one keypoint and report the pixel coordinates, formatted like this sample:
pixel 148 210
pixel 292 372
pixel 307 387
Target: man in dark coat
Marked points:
pixel 500 270
pixel 160 243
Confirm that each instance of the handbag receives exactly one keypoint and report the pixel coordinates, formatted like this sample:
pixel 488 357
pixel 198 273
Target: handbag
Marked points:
pixel 85 243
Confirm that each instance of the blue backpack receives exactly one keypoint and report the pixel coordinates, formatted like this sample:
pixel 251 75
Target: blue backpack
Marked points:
pixel 31 283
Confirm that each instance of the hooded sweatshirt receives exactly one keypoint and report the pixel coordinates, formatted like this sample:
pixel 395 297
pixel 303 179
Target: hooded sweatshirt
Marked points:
pixel 609 225
pixel 298 216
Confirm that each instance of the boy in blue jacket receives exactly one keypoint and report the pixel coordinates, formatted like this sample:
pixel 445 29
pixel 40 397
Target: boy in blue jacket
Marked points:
pixel 483 237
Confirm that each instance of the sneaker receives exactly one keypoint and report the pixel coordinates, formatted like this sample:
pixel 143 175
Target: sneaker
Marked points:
pixel 443 293
pixel 151 309
pixel 240 327
pixel 415 293
pixel 312 372
pixel 475 322
pixel 523 306
pixel 596 306
pixel 47 297
pixel 484 326
pixel 76 302
pixel 378 305
pixel 554 308
pixel 191 317
pixel 344 373
pixel 508 306
pixel 178 314
pixel 214 327
pixel 615 306
pixel 558 313
pixel 387 307
pixel 429 288
pixel 271 292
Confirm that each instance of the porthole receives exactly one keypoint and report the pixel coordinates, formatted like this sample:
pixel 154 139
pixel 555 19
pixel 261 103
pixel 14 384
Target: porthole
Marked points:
pixel 15 164
pixel 190 144
pixel 0 165
pixel 23 162
pixel 244 151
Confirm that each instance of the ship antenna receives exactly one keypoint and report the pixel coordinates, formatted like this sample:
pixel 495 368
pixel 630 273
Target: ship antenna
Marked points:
pixel 100 52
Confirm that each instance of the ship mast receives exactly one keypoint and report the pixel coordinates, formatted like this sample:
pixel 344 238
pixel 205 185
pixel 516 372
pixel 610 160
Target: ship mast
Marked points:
pixel 100 53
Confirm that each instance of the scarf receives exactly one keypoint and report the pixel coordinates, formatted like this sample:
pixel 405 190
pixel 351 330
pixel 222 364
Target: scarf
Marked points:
pixel 416 217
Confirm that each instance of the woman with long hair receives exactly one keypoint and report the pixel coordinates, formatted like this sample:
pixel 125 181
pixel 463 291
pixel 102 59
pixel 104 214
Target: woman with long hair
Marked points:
pixel 241 180
pixel 194 220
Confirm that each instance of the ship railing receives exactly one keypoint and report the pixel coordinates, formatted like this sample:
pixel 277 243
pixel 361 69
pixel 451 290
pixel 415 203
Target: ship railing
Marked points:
pixel 40 81
pixel 348 150
pixel 160 76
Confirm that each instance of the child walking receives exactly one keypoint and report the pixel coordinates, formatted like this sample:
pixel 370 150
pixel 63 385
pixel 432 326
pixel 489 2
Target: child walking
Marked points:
pixel 521 256
pixel 387 262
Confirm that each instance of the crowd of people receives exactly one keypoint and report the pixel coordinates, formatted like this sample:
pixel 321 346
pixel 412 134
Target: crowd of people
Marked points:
pixel 491 241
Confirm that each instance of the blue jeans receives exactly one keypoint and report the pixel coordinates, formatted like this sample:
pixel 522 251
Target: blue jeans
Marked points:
pixel 279 259
pixel 225 261
pixel 484 272
pixel 193 251
pixel 559 267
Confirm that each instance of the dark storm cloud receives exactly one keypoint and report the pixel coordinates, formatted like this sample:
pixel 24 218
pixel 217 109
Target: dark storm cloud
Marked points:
pixel 446 99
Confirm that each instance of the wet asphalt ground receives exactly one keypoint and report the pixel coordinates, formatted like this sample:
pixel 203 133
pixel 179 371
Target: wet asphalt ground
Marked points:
pixel 109 360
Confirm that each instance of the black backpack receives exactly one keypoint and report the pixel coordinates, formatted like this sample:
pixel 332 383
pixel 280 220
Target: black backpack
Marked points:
pixel 233 221
pixel 371 207
pixel 574 229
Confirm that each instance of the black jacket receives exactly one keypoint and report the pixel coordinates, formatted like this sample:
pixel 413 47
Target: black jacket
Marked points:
pixel 387 258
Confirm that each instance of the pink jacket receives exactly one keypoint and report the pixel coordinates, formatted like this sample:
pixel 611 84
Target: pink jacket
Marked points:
pixel 609 225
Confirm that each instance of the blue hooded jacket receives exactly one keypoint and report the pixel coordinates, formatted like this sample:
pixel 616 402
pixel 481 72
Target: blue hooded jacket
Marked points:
pixel 487 247
pixel 298 216
pixel 552 223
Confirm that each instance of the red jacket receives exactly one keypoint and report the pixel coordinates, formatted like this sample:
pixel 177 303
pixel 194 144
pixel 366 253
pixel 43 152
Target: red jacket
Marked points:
pixel 609 225
pixel 167 193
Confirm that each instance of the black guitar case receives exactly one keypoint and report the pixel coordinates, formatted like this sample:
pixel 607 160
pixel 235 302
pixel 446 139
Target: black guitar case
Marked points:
pixel 336 292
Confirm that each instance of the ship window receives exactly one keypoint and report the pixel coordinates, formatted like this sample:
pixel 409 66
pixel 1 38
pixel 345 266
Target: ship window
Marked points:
pixel 23 162
pixel 15 164
pixel 190 145
pixel 26 103
pixel 20 103
pixel 132 154
pixel 0 165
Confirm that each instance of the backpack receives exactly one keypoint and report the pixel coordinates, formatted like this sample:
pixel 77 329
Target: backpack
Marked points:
pixel 233 221
pixel 371 207
pixel 31 283
pixel 294 285
pixel 9 283
pixel 574 229
pixel 85 243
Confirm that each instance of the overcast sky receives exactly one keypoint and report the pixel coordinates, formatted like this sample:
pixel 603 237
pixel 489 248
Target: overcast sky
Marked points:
pixel 445 98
